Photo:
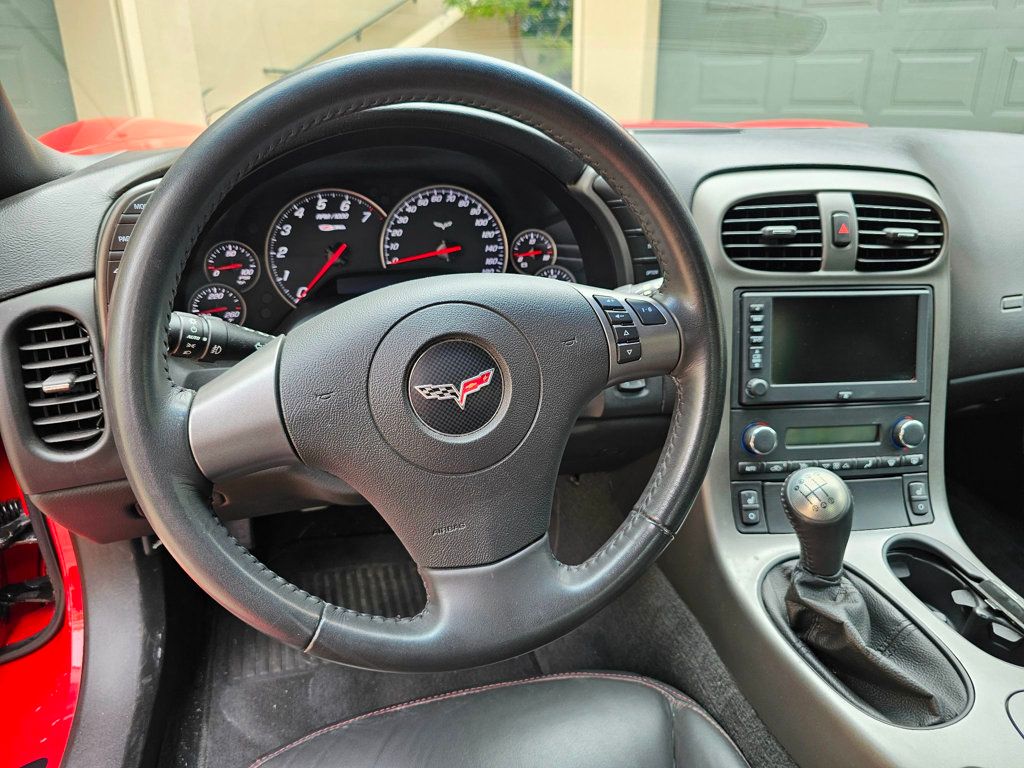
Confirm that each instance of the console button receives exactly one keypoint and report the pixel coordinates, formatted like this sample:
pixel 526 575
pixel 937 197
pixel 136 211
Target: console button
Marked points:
pixel 756 328
pixel 917 491
pixel 750 499
pixel 793 466
pixel 842 234
pixel 757 387
pixel 775 466
pixel 757 339
pixel 913 460
pixel 749 467
pixel 625 333
pixel 647 312
pixel 619 317
pixel 608 302
pixel 628 352
pixel 890 461
pixel 757 318
pixel 756 308
pixel 750 515
pixel 920 507
pixel 868 462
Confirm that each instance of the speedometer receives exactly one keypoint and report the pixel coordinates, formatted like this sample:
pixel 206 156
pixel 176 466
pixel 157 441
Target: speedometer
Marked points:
pixel 444 228
pixel 318 235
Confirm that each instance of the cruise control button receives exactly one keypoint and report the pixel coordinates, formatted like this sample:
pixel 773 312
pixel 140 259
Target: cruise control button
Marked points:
pixel 608 302
pixel 625 333
pixel 619 317
pixel 629 352
pixel 647 312
pixel 756 308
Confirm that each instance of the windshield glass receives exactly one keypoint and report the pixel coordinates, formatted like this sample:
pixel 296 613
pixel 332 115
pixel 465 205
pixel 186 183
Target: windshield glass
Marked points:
pixel 98 76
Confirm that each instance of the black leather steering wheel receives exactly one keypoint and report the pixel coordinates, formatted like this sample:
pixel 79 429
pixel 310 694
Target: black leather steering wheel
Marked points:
pixel 446 402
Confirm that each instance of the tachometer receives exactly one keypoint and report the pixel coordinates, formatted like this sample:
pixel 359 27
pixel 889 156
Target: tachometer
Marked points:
pixel 444 228
pixel 220 301
pixel 317 235
pixel 233 263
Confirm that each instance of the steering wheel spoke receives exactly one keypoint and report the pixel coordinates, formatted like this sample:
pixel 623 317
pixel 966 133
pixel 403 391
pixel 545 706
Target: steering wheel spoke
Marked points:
pixel 235 424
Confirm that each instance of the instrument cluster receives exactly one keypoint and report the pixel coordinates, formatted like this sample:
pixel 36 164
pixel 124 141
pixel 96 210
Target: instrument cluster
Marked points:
pixel 328 243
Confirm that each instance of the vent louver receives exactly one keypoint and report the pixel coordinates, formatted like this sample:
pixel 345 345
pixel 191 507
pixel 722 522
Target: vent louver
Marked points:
pixel 779 233
pixel 59 376
pixel 896 233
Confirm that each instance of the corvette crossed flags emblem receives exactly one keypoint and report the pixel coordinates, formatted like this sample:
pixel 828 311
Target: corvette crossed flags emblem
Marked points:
pixel 459 393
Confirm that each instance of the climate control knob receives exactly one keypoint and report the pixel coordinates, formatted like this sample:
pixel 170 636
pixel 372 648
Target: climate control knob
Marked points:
pixel 760 439
pixel 908 432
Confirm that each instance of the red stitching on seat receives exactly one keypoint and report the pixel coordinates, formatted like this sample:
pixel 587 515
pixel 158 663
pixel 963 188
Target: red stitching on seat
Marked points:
pixel 673 695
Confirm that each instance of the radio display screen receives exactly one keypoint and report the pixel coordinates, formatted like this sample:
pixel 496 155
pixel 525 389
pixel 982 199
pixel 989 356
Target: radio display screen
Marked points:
pixel 833 435
pixel 823 339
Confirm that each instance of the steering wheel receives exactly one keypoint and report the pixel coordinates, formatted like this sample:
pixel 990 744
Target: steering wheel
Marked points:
pixel 445 402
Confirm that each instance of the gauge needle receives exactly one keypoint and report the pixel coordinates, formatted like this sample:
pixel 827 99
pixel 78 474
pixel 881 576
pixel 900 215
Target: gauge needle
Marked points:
pixel 323 270
pixel 213 311
pixel 229 266
pixel 524 254
pixel 427 255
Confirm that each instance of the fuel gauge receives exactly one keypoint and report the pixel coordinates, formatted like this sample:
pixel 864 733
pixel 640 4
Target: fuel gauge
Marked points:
pixel 533 249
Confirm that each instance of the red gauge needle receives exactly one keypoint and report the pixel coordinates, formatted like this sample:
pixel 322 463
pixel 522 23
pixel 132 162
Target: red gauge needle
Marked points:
pixel 427 255
pixel 323 270
pixel 214 311
pixel 229 266
pixel 528 253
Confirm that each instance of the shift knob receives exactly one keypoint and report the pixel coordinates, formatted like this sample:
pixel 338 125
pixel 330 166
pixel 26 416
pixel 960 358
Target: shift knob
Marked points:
pixel 820 509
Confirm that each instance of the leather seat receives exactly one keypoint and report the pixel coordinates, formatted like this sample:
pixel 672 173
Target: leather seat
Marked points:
pixel 587 719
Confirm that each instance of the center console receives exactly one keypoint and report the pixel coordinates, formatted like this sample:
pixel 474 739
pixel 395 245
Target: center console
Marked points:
pixel 839 364
pixel 838 379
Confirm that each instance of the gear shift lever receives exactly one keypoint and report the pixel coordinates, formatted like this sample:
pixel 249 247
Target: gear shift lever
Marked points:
pixel 820 509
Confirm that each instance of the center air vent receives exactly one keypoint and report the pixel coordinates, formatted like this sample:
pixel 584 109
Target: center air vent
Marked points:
pixel 59 376
pixel 780 233
pixel 896 233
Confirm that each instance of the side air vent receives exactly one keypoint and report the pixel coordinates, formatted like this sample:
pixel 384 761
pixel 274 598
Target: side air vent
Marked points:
pixel 896 233
pixel 780 233
pixel 59 375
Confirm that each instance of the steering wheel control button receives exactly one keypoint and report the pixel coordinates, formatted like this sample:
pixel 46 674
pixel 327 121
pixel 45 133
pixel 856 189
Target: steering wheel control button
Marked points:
pixel 842 229
pixel 647 312
pixel 619 317
pixel 455 387
pixel 624 333
pixel 628 353
pixel 608 302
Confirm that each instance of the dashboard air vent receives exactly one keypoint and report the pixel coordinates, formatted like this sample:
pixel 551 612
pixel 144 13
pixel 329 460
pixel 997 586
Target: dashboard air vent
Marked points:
pixel 780 233
pixel 59 375
pixel 895 233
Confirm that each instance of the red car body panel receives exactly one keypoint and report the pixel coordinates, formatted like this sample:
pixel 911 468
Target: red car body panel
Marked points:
pixel 43 685
pixel 103 135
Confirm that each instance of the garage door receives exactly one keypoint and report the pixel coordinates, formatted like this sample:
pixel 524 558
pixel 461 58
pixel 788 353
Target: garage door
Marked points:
pixel 937 63
pixel 32 67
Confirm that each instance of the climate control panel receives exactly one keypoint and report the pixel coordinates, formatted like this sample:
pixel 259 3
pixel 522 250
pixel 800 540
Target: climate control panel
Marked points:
pixel 870 440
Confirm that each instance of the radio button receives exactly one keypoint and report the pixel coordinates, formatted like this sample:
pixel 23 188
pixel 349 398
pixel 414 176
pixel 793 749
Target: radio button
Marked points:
pixel 844 395
pixel 756 360
pixel 646 311
pixel 616 317
pixel 757 339
pixel 756 308
pixel 756 328
pixel 757 318
pixel 749 467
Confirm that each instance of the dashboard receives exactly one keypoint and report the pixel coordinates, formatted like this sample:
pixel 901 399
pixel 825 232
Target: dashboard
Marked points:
pixel 297 238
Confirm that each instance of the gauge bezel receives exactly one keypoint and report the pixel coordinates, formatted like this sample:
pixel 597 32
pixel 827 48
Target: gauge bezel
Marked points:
pixel 255 257
pixel 225 286
pixel 273 225
pixel 511 249
pixel 555 266
pixel 455 187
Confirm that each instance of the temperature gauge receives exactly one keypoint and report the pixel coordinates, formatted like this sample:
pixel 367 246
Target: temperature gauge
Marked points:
pixel 232 263
pixel 533 249
pixel 557 272
pixel 220 301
